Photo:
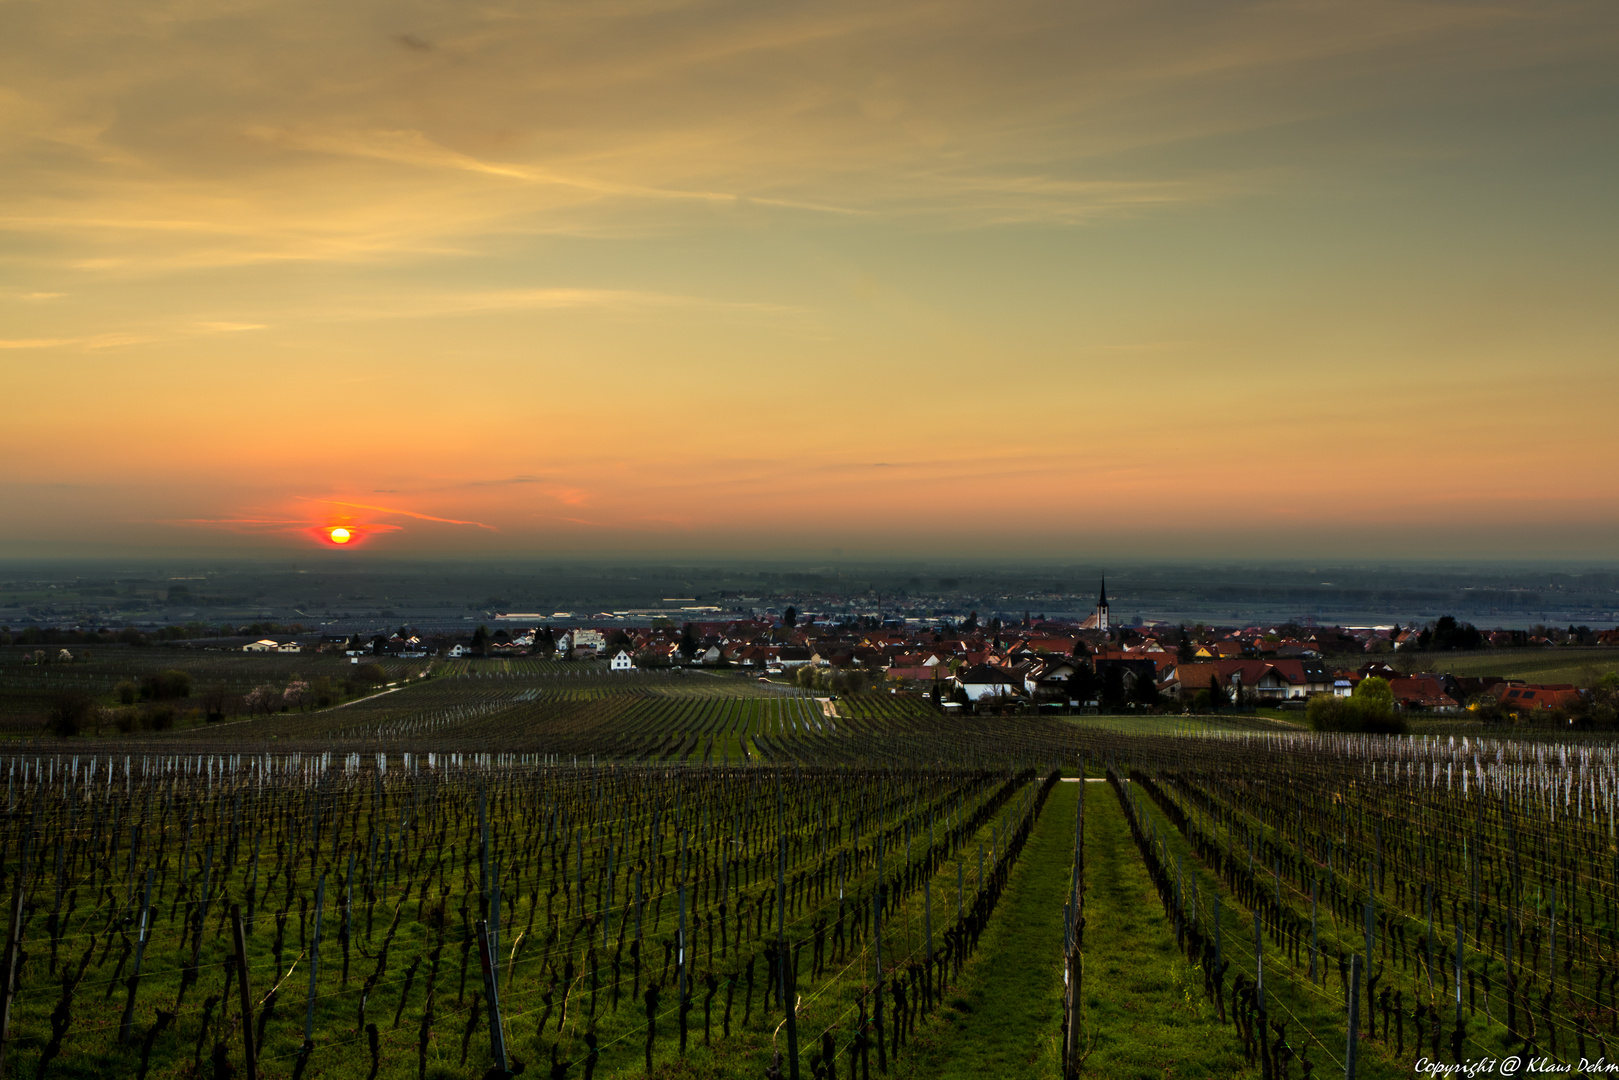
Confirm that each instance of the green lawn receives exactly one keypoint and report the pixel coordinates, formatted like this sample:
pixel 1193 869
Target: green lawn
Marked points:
pixel 1145 1012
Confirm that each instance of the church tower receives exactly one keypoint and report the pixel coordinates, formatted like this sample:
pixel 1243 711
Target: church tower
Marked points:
pixel 1101 608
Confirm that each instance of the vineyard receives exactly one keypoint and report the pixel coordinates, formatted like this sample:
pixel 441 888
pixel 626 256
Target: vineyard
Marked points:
pixel 483 870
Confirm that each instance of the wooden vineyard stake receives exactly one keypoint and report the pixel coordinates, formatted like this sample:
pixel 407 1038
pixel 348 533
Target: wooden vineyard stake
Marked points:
pixel 1352 1046
pixel 246 991
pixel 1315 936
pixel 491 994
pixel 314 965
pixel 1458 975
pixel 8 968
pixel 125 1025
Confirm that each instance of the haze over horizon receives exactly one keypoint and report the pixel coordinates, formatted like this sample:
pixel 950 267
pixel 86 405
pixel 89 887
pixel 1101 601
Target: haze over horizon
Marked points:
pixel 1022 280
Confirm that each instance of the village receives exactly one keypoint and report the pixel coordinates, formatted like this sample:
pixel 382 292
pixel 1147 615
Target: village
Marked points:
pixel 1085 665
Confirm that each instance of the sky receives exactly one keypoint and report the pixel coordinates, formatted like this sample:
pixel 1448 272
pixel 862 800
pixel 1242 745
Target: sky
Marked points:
pixel 1021 278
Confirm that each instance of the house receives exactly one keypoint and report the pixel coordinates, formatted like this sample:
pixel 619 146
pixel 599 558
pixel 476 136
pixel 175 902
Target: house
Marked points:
pixel 928 674
pixel 1302 678
pixel 1549 696
pixel 270 645
pixel 985 682
pixel 1048 681
pixel 1420 692
pixel 1188 679
pixel 621 661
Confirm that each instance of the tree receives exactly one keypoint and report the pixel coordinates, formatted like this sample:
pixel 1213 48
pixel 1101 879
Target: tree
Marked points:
pixel 214 700
pixel 126 691
pixel 1369 709
pixel 1217 694
pixel 1374 695
pixel 165 686
pixel 1113 690
pixel 69 712
pixel 369 675
pixel 688 641
pixel 971 624
pixel 1599 707
pixel 296 695
pixel 480 639
pixel 789 618
pixel 1183 651
pixel 1082 683
pixel 1145 691
pixel 1448 635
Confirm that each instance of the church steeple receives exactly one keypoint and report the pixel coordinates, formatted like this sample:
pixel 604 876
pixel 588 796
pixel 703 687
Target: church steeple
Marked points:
pixel 1101 607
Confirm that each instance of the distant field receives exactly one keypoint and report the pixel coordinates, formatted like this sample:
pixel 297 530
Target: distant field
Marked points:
pixel 1534 665
pixel 1180 725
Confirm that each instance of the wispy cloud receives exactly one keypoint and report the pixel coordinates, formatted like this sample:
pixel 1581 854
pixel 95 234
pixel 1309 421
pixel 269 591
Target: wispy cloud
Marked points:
pixel 402 513
pixel 94 341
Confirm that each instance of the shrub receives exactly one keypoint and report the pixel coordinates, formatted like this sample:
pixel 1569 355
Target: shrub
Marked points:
pixel 1370 710
pixel 165 686
pixel 69 712
pixel 158 717
pixel 369 675
pixel 126 691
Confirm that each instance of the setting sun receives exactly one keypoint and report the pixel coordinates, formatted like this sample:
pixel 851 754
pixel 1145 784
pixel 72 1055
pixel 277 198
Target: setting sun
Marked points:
pixel 340 535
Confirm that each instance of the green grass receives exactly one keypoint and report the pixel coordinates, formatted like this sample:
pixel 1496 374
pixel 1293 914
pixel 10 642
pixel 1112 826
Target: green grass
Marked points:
pixel 1176 724
pixel 1005 1019
pixel 1145 1012
pixel 1534 665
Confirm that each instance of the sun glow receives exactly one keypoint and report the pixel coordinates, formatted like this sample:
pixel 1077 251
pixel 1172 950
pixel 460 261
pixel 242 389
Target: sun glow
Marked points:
pixel 339 535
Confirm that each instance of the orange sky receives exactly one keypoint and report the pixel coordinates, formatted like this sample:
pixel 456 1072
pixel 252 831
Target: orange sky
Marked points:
pixel 942 277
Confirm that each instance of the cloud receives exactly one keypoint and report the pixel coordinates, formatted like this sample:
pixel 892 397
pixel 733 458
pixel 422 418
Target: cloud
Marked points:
pixel 401 513
pixel 224 132
pixel 94 341
pixel 229 327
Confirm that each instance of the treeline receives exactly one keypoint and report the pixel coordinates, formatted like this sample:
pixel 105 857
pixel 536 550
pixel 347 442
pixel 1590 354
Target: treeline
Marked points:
pixel 159 700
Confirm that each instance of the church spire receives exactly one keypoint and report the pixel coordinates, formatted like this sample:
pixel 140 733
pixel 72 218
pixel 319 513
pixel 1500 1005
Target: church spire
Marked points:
pixel 1101 607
